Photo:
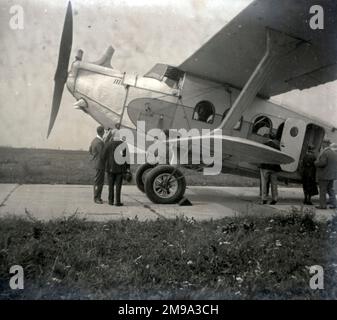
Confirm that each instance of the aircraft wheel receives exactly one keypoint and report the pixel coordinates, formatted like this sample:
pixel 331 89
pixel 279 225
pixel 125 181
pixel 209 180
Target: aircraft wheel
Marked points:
pixel 141 173
pixel 165 185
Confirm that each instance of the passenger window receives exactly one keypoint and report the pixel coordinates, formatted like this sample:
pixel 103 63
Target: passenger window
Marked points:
pixel 204 111
pixel 262 126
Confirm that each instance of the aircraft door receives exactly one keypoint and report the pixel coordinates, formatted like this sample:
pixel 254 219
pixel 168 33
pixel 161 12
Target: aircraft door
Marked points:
pixel 292 142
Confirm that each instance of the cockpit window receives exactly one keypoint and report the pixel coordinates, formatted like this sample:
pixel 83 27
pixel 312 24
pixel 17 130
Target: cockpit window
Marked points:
pixel 163 72
pixel 262 126
pixel 157 72
pixel 204 111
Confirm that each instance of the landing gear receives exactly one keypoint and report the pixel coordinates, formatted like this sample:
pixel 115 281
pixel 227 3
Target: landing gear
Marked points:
pixel 141 173
pixel 165 184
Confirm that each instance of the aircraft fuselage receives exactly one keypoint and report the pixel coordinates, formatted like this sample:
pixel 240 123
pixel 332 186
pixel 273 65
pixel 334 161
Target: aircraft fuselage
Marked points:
pixel 110 96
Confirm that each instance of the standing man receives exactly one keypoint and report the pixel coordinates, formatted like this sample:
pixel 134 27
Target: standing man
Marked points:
pixel 96 152
pixel 326 173
pixel 309 175
pixel 116 150
pixel 268 175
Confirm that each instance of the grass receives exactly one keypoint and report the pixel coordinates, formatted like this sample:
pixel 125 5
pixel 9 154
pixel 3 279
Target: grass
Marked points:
pixel 21 165
pixel 232 258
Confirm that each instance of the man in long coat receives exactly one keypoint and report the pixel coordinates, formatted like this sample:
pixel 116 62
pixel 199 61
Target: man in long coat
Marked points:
pixel 116 151
pixel 96 150
pixel 326 173
pixel 309 176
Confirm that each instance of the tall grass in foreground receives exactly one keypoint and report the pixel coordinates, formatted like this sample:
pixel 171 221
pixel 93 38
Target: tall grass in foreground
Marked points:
pixel 232 258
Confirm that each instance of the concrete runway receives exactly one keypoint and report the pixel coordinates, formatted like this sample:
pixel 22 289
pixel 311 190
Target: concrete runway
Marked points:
pixel 51 201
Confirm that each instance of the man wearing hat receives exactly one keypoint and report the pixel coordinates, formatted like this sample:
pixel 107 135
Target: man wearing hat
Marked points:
pixel 115 150
pixel 326 173
pixel 96 150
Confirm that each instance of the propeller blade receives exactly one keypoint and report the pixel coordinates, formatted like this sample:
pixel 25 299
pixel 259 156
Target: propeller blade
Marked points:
pixel 61 73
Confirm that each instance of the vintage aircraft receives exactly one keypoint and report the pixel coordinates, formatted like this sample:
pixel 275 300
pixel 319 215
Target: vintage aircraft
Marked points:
pixel 268 49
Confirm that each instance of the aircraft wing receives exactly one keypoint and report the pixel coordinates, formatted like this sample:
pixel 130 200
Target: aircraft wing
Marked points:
pixel 233 53
pixel 242 150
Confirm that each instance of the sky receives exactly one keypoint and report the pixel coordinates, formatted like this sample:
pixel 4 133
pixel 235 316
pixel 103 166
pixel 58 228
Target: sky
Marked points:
pixel 143 33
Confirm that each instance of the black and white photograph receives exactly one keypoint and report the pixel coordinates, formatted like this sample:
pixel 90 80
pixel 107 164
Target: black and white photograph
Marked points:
pixel 168 150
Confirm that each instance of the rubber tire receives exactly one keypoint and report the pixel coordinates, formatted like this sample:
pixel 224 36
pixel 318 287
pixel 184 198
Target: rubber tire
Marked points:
pixel 139 175
pixel 151 176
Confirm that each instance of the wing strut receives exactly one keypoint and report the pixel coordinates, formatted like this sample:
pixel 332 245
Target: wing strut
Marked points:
pixel 277 45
